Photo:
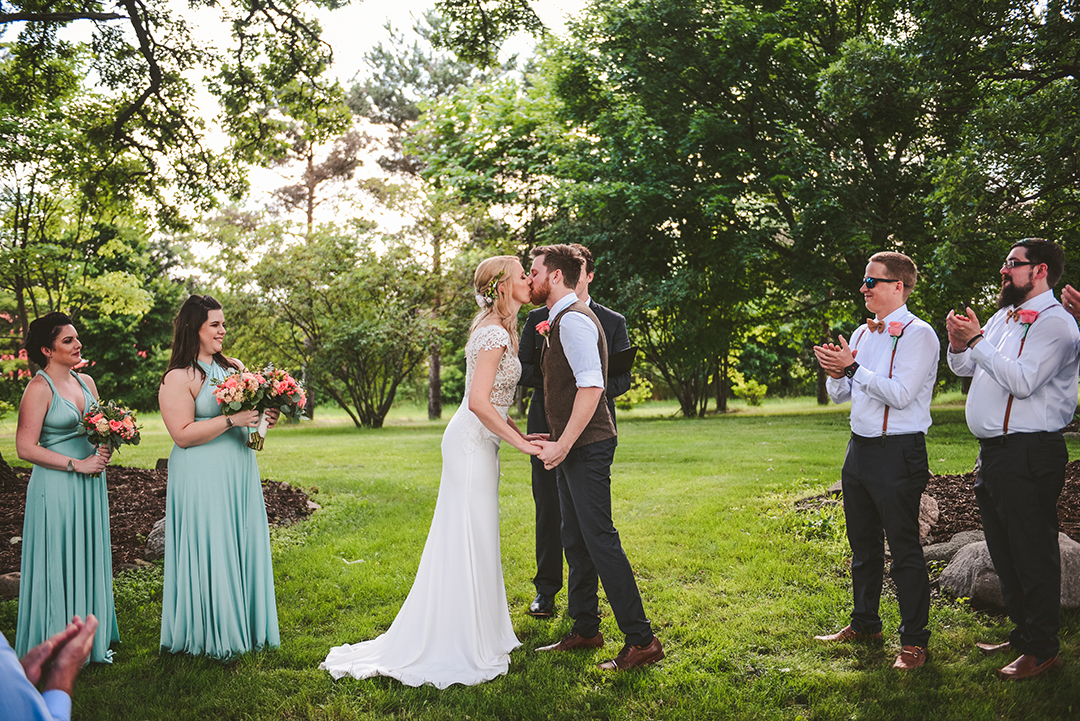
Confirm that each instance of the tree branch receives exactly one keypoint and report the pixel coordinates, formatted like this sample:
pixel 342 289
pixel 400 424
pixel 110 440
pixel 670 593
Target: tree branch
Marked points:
pixel 6 18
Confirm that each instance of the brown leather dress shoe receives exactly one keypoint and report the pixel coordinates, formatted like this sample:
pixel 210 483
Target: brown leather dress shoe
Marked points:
pixel 571 641
pixel 1027 666
pixel 910 657
pixel 989 649
pixel 634 656
pixel 848 634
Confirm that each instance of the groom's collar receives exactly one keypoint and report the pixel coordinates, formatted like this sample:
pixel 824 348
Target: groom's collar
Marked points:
pixel 562 304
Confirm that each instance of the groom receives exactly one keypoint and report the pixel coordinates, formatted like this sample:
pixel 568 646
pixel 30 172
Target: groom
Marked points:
pixel 549 550
pixel 581 448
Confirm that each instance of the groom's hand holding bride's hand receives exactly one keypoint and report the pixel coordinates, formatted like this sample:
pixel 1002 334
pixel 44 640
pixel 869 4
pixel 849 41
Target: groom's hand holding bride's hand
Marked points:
pixel 551 453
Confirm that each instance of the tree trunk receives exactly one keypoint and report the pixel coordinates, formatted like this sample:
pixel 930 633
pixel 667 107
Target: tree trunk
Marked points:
pixel 822 391
pixel 721 385
pixel 434 405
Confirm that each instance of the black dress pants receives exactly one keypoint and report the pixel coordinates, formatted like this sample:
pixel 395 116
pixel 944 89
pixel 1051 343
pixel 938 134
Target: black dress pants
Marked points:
pixel 1018 480
pixel 883 480
pixel 592 546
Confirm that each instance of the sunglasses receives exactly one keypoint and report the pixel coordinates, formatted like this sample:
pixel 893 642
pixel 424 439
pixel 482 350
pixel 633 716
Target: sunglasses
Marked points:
pixel 871 282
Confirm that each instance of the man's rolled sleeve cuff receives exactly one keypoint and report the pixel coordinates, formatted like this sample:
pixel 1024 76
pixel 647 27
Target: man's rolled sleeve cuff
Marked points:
pixel 590 379
pixel 58 703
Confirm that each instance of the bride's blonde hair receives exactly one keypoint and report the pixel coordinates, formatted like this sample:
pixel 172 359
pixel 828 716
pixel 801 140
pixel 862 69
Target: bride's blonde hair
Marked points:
pixel 492 282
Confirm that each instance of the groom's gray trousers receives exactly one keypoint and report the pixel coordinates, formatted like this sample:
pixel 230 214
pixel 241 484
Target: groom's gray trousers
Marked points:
pixel 592 546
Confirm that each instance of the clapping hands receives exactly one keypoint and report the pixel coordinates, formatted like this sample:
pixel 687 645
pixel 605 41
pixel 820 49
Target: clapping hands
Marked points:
pixel 835 358
pixel 58 660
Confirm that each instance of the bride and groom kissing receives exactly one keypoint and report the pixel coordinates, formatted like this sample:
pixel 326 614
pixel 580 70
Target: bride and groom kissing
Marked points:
pixel 454 626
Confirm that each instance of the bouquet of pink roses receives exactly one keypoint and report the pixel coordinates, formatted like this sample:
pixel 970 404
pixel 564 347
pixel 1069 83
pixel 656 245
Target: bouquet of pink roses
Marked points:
pixel 109 424
pixel 270 388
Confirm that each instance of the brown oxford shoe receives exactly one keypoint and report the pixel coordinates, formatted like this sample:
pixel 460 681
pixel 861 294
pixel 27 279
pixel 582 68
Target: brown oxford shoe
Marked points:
pixel 848 634
pixel 910 657
pixel 1027 666
pixel 571 641
pixel 634 656
pixel 990 649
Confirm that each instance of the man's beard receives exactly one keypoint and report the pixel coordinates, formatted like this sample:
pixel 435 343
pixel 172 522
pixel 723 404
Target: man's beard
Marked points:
pixel 538 295
pixel 1013 294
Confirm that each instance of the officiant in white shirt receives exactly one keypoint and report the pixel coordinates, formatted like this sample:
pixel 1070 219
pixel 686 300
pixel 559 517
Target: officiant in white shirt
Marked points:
pixel 888 374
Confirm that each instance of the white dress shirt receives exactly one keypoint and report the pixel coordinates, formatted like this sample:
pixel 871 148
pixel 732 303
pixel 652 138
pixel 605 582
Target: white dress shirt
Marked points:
pixel 1042 380
pixel 579 337
pixel 19 700
pixel 907 393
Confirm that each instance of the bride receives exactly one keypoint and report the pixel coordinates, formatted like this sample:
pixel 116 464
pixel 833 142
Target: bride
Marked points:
pixel 454 627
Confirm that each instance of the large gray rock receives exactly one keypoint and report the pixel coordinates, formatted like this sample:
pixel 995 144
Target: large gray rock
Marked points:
pixel 155 542
pixel 946 551
pixel 928 515
pixel 9 586
pixel 971 574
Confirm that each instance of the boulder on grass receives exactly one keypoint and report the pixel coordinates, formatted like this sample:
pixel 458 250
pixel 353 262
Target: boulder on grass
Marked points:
pixel 9 586
pixel 928 515
pixel 971 575
pixel 946 551
pixel 155 542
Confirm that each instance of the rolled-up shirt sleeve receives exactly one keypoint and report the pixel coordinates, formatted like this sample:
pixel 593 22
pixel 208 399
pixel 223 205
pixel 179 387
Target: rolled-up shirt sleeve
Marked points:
pixel 579 341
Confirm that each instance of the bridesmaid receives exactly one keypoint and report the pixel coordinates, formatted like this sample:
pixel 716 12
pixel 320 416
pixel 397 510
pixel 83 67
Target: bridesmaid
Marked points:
pixel 66 550
pixel 219 582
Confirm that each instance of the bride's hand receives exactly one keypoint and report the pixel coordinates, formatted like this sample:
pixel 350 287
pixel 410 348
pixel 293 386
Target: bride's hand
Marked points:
pixel 536 437
pixel 530 449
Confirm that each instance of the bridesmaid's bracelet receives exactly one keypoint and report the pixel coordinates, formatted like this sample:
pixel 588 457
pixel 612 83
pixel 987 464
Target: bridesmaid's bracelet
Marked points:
pixel 228 421
pixel 71 465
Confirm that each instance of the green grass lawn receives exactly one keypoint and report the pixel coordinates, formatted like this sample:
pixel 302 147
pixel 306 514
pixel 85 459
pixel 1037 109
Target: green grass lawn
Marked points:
pixel 734 580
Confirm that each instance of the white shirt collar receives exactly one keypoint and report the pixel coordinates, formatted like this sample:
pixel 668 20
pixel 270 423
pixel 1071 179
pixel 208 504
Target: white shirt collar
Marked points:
pixel 1039 302
pixel 562 304
pixel 897 314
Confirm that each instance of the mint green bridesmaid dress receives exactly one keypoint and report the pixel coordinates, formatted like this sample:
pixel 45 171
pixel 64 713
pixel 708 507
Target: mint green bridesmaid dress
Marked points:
pixel 219 581
pixel 66 549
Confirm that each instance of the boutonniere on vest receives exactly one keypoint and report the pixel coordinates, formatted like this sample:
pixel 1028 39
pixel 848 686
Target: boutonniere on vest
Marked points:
pixel 543 328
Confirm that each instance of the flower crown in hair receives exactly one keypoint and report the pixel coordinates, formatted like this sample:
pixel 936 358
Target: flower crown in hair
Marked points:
pixel 491 293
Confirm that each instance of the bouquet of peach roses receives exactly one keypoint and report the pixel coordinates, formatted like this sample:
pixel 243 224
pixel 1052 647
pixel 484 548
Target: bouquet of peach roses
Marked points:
pixel 111 425
pixel 261 391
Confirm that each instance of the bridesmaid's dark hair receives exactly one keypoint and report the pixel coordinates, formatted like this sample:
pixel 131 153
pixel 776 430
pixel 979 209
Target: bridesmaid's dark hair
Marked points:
pixel 186 326
pixel 42 333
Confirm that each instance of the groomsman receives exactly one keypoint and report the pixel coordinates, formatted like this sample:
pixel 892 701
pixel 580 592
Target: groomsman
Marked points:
pixel 581 448
pixel 549 550
pixel 1023 365
pixel 890 385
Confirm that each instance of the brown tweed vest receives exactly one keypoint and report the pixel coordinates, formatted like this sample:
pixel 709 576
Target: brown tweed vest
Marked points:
pixel 560 387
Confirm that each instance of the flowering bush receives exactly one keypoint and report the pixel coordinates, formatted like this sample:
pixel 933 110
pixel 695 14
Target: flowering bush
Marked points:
pixel 108 424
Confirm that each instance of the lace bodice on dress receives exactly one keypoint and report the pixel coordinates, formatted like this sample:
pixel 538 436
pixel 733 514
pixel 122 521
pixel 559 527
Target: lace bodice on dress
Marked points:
pixel 489 337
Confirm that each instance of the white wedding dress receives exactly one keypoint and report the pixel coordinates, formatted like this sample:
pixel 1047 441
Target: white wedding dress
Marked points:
pixel 454 627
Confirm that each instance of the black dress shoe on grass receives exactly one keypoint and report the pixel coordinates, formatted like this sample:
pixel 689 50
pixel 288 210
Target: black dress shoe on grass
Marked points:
pixel 542 606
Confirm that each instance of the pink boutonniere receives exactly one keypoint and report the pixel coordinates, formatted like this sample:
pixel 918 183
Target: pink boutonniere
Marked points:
pixel 896 329
pixel 543 328
pixel 1027 316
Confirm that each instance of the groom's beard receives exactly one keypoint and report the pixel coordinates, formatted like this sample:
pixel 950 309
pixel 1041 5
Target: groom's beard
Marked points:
pixel 538 295
pixel 1013 294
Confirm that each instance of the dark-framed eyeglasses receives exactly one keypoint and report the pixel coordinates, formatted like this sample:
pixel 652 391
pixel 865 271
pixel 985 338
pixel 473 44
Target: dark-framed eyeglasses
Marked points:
pixel 871 282
pixel 1012 263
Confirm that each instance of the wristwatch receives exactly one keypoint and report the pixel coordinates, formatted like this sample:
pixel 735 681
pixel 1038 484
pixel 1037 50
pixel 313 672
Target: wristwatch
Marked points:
pixel 850 370
pixel 71 465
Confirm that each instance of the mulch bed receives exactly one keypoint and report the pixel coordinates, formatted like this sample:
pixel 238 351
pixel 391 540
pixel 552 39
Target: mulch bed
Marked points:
pixel 136 503
pixel 955 496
